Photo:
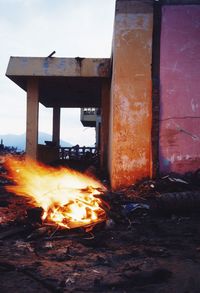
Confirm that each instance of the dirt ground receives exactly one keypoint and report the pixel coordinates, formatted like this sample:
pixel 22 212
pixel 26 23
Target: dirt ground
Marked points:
pixel 135 251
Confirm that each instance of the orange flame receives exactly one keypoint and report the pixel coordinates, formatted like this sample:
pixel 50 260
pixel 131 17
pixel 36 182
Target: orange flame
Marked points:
pixel 68 198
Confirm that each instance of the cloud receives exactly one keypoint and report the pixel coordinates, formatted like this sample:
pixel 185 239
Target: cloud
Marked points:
pixel 36 28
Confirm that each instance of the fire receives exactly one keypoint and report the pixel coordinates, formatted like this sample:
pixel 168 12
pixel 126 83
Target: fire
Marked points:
pixel 68 198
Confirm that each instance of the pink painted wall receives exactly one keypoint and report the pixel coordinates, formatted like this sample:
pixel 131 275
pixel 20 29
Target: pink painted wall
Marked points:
pixel 180 89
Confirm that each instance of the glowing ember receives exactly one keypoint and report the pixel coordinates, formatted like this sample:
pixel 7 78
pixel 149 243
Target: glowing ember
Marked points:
pixel 68 198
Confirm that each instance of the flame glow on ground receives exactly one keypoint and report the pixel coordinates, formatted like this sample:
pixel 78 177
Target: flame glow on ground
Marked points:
pixel 69 198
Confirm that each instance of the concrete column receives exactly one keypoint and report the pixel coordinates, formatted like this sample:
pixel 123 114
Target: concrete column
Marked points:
pixel 131 94
pixel 32 118
pixel 105 111
pixel 56 125
pixel 98 131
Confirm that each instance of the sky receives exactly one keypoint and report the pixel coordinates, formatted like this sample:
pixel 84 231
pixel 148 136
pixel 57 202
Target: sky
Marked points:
pixel 35 28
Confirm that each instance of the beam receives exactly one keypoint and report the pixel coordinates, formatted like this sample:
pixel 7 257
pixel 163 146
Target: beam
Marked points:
pixel 58 67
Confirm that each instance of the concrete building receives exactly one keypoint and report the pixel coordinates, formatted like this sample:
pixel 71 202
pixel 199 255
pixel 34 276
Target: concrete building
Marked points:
pixel 149 93
pixel 91 117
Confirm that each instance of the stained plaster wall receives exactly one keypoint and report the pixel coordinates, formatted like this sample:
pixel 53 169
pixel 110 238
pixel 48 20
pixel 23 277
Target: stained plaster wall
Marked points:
pixel 130 117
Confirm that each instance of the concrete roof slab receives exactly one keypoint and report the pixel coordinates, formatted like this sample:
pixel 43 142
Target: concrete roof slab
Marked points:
pixel 61 67
pixel 63 82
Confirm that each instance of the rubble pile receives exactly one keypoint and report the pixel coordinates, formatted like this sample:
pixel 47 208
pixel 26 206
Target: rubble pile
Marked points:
pixel 137 249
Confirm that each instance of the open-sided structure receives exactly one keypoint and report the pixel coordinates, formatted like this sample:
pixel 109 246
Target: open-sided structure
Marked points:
pixel 148 95
pixel 56 83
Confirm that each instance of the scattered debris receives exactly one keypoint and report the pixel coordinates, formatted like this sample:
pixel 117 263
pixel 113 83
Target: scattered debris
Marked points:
pixel 130 207
pixel 12 231
pixel 38 233
pixel 149 243
pixel 178 180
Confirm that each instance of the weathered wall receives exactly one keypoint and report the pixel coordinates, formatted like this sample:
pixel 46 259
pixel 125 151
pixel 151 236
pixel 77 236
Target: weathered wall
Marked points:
pixel 130 119
pixel 180 89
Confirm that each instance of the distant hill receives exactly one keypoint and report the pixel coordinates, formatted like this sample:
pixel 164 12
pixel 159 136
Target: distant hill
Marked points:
pixel 18 141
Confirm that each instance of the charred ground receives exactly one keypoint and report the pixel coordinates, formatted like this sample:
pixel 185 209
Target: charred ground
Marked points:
pixel 152 247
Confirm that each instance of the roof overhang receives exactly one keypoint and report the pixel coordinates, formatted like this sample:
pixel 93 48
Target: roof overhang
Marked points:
pixel 63 82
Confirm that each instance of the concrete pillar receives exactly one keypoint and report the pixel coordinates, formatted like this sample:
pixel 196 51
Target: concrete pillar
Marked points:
pixel 32 118
pixel 56 125
pixel 131 94
pixel 105 111
pixel 98 131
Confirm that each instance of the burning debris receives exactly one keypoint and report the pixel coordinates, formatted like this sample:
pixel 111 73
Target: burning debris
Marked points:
pixel 132 247
pixel 68 198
